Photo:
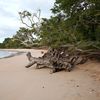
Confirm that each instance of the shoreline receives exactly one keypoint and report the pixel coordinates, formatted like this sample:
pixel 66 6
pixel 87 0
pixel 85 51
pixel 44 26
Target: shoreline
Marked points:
pixel 13 53
pixel 20 51
pixel 20 83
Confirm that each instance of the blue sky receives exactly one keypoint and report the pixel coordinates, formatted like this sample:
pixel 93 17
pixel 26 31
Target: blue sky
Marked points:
pixel 9 17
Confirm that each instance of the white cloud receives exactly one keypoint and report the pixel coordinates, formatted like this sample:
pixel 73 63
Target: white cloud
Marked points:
pixel 9 18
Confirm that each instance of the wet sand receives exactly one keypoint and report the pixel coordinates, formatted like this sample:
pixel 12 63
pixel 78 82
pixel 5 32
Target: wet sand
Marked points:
pixel 20 83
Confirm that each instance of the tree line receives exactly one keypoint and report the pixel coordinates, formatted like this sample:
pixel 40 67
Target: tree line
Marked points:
pixel 73 22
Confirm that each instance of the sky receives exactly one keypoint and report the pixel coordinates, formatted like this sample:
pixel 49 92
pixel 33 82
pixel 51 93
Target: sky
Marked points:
pixel 9 17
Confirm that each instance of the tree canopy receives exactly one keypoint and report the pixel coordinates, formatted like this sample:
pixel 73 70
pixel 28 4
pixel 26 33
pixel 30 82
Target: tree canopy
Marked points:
pixel 73 22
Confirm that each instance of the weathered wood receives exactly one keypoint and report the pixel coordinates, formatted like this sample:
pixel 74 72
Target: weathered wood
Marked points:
pixel 55 64
pixel 39 61
pixel 30 64
pixel 57 59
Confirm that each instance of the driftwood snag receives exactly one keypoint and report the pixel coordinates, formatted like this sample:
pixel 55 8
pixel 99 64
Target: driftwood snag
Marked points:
pixel 38 61
pixel 56 59
pixel 54 65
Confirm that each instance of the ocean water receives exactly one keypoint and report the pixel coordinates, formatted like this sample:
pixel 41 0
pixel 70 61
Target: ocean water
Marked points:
pixel 6 54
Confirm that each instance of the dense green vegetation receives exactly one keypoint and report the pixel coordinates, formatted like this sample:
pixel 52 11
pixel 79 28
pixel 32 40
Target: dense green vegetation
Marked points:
pixel 74 22
pixel 11 43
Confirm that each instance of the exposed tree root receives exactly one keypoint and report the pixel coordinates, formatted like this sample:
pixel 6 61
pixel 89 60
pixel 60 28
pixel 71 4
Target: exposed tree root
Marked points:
pixel 60 58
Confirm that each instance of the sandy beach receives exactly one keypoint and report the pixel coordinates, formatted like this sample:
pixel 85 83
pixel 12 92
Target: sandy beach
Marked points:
pixel 20 83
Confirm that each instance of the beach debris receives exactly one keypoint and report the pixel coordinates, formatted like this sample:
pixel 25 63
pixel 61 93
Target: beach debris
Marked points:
pixel 57 59
pixel 77 85
pixel 42 86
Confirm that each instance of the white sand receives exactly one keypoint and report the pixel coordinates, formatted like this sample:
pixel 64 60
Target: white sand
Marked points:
pixel 20 83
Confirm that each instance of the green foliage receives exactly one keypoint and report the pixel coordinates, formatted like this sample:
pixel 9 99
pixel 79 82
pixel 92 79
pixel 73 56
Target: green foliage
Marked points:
pixel 11 43
pixel 75 21
pixel 54 32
